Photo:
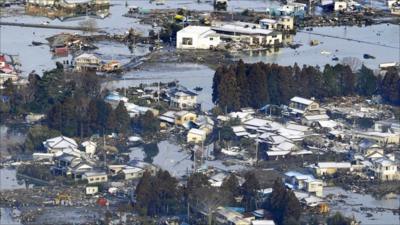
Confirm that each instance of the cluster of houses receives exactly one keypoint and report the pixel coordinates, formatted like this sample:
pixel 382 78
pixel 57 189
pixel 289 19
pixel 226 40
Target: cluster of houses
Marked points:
pixel 267 33
pixel 81 162
pixel 67 3
pixel 7 71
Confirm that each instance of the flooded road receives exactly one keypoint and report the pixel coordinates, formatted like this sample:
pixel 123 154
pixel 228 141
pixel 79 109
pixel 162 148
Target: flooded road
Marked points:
pixel 353 202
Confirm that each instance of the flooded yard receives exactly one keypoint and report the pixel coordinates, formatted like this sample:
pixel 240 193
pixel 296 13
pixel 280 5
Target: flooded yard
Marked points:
pixel 353 202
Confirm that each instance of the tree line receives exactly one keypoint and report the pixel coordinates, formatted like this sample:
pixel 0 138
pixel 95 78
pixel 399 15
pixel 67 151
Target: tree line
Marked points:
pixel 161 194
pixel 255 85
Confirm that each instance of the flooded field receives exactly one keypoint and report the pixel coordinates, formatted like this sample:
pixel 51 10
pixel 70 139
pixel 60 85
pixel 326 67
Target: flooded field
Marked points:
pixel 177 161
pixel 352 204
pixel 381 41
pixel 6 217
pixel 8 180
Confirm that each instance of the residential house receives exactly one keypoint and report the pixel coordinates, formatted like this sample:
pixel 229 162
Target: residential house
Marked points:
pixel 91 190
pixel 60 143
pixel 95 177
pixel 386 125
pixel 181 97
pixel 286 23
pixel 148 167
pixel 197 37
pixel 182 118
pixel 386 169
pixel 196 136
pixel 302 106
pixel 227 216
pixel 330 168
pixel 90 147
pixel 306 182
pixel 269 24
pixel 203 123
pixel 379 137
pixel 127 172
pixel 87 62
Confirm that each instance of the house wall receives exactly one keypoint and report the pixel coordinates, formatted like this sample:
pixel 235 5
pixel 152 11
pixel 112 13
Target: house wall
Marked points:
pixel 194 41
pixel 315 187
pixel 286 23
pixel 131 176
pixel 387 173
pixel 340 6
pixel 184 102
pixel 195 138
pixel 184 119
pixel 97 179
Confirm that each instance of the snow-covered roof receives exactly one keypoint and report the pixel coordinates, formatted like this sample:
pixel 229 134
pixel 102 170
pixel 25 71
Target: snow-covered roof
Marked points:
pixel 60 142
pixel 301 100
pixel 316 117
pixel 296 127
pixel 87 56
pixel 277 153
pixel 299 176
pixel 328 124
pixel 285 146
pixel 262 222
pixel 334 165
pixel 197 132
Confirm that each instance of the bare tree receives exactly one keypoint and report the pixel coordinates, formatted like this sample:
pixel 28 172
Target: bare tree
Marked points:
pixel 89 25
pixel 353 62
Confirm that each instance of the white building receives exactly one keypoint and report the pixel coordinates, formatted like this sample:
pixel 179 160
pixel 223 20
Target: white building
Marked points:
pixel 87 62
pixel 197 37
pixel 95 177
pixel 340 5
pixel 250 33
pixel 385 169
pixel 300 105
pixel 182 98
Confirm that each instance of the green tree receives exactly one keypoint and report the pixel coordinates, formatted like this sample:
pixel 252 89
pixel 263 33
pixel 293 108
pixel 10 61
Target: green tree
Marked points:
pixel 283 204
pixel 147 124
pixel 36 135
pixel 150 150
pixel 367 82
pixel 123 118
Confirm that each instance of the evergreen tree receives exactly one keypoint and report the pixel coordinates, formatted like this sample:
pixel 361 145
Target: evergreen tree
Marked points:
pixel 249 191
pixel 366 82
pixel 243 85
pixel 283 204
pixel 391 87
pixel 123 118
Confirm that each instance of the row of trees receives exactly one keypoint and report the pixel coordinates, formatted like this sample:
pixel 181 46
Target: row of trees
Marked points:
pixel 254 85
pixel 161 195
pixel 84 117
